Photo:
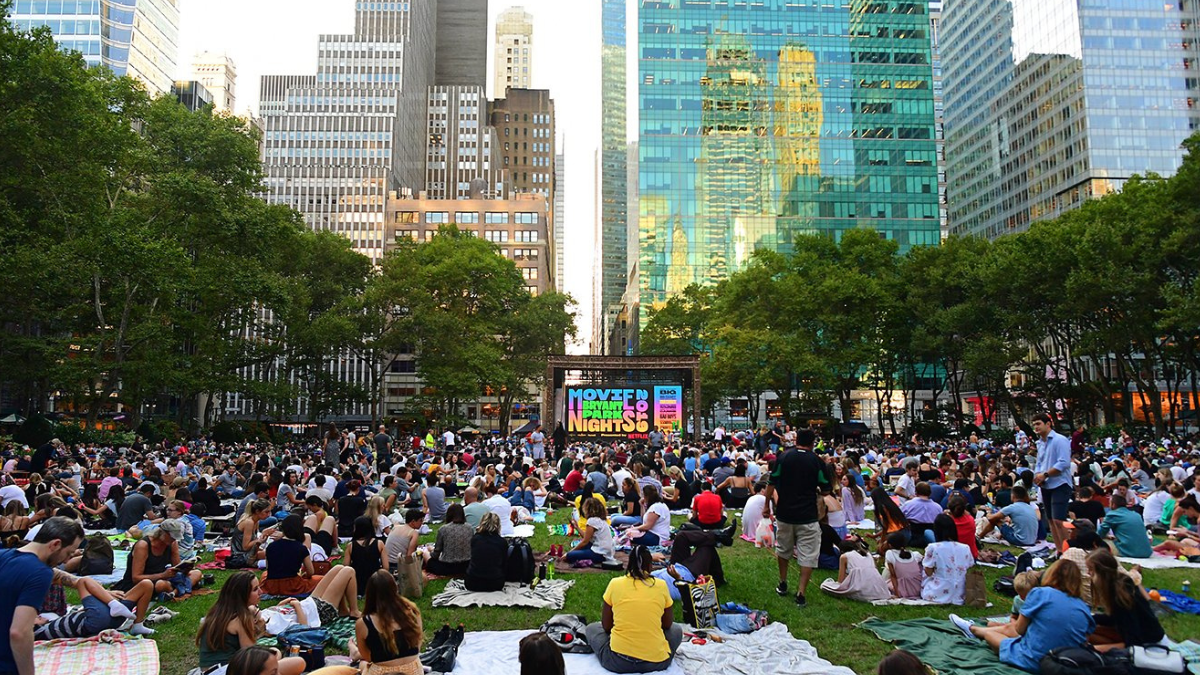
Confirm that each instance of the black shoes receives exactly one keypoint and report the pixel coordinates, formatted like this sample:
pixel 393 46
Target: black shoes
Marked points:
pixel 801 601
pixel 725 536
pixel 781 589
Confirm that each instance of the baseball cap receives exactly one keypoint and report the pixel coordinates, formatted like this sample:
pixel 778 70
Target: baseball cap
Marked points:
pixel 173 527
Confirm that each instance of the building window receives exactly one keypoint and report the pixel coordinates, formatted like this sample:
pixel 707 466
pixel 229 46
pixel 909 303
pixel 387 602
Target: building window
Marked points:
pixel 437 217
pixel 532 290
pixel 530 273
pixel 407 217
pixel 495 217
pixel 406 234
pixel 526 236
pixel 466 217
pixel 527 218
pixel 496 236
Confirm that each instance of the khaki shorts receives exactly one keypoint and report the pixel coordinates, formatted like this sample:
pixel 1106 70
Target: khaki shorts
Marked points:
pixel 806 537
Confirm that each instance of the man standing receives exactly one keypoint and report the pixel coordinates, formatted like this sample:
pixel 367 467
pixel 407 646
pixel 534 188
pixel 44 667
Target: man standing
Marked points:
pixel 796 478
pixel 1053 474
pixel 537 443
pixel 383 449
pixel 655 438
pixel 28 572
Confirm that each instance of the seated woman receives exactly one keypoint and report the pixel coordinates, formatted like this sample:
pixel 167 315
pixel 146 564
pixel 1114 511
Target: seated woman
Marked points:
pixel 383 524
pixel 656 523
pixel 488 553
pixel 1052 617
pixel 321 528
pixel 888 519
pixel 679 495
pixel 364 552
pixel 246 542
pixel 255 660
pixel 1186 541
pixel 1128 620
pixel 853 498
pixel 452 548
pixel 529 494
pixel 96 514
pixel 752 514
pixel 946 563
pixel 233 623
pixel 155 557
pixel 289 561
pixel 735 490
pixel 15 521
pixel 335 596
pixel 388 636
pixel 857 577
pixel 597 544
pixel 402 542
pixel 964 521
pixel 631 505
pixel 902 568
pixel 102 610
pixel 588 492
pixel 636 632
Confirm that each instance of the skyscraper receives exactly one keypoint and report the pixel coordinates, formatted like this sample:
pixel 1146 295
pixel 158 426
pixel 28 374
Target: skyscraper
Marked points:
pixel 138 38
pixel 524 123
pixel 1048 104
pixel 218 74
pixel 514 51
pixel 461 41
pixel 462 155
pixel 613 211
pixel 560 217
pixel 762 121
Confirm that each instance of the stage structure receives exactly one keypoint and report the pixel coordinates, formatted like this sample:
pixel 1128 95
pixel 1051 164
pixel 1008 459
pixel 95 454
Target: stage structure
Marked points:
pixel 622 397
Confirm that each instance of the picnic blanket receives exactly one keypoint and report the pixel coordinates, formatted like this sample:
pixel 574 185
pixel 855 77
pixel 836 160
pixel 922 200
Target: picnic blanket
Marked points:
pixel 109 653
pixel 912 602
pixel 1159 562
pixel 120 562
pixel 482 651
pixel 865 525
pixel 548 594
pixel 940 646
pixel 770 650
pixel 524 531
pixel 1179 603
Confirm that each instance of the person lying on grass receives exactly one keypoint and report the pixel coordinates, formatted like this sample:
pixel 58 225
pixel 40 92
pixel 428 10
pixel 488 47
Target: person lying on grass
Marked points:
pixel 102 610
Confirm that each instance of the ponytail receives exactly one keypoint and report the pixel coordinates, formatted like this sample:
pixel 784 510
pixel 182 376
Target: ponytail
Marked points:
pixel 639 564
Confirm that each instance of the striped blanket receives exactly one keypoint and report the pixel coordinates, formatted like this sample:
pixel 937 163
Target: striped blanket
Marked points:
pixel 109 653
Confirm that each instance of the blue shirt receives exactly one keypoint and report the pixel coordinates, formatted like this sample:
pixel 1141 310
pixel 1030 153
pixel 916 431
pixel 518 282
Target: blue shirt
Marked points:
pixel 1054 453
pixel 1056 620
pixel 27 580
pixel 1024 521
pixel 1130 531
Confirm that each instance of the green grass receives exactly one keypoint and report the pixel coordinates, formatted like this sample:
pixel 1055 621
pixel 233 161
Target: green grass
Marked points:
pixel 827 623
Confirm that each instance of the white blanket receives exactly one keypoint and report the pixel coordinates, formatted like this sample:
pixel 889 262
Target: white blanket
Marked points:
pixel 549 594
pixel 866 525
pixel 770 651
pixel 1159 562
pixel 483 652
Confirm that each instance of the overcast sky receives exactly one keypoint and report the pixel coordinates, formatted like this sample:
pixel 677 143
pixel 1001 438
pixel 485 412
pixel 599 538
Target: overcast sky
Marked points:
pixel 279 37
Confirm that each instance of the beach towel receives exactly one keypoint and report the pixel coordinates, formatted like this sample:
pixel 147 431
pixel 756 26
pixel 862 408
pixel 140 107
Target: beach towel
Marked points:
pixel 481 651
pixel 771 650
pixel 912 602
pixel 941 646
pixel 109 653
pixel 1179 603
pixel 548 594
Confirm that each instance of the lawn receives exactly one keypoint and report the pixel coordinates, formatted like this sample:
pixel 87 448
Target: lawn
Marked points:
pixel 827 623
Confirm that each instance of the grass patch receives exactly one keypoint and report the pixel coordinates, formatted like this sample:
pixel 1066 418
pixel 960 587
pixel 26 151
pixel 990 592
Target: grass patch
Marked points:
pixel 828 623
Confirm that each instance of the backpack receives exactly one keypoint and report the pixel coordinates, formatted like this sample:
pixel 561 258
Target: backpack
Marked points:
pixel 1086 661
pixel 518 566
pixel 97 557
pixel 567 631
pixel 1004 586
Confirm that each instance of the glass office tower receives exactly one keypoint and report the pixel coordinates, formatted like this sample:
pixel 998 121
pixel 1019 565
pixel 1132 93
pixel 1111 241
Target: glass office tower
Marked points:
pixel 131 37
pixel 764 120
pixel 1051 102
pixel 612 264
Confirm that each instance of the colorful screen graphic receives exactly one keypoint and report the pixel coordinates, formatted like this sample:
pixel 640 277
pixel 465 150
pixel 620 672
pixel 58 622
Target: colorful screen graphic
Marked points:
pixel 623 412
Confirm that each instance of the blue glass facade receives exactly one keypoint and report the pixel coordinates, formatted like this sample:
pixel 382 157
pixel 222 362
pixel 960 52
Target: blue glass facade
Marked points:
pixel 763 120
pixel 104 32
pixel 1050 103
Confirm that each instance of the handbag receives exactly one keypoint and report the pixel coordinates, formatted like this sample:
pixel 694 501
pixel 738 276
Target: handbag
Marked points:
pixel 410 576
pixel 309 641
pixel 1157 659
pixel 699 601
pixel 976 590
pixel 1086 660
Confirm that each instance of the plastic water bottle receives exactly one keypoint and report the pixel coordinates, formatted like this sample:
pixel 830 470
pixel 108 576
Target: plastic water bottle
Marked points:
pixel 1187 587
pixel 550 569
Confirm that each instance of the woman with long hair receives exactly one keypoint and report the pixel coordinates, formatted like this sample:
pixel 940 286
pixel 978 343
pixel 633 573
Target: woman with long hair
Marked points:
pixel 1128 620
pixel 15 521
pixel 631 505
pixel 452 549
pixel 254 660
pixel 485 572
pixel 597 544
pixel 853 499
pixel 656 523
pixel 857 577
pixel 246 544
pixel 383 524
pixel 1052 617
pixel 389 633
pixel 636 632
pixel 539 655
pixel 946 563
pixel 888 518
pixel 233 623
pixel 364 552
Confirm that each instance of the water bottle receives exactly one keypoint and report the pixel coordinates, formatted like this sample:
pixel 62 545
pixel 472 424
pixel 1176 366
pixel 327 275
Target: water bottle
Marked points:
pixel 1187 587
pixel 542 572
pixel 550 569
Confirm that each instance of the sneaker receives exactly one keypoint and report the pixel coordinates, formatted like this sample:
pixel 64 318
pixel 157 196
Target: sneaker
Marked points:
pixel 781 589
pixel 963 625
pixel 801 601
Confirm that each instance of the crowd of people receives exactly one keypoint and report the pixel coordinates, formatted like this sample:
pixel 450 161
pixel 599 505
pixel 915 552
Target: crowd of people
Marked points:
pixel 928 509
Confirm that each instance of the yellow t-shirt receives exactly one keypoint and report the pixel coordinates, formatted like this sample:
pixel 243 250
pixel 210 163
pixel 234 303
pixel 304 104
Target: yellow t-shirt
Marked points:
pixel 637 618
pixel 582 522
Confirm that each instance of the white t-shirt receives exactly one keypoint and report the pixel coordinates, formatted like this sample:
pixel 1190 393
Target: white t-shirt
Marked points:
pixel 448 438
pixel 602 539
pixel 279 620
pixel 503 510
pixel 719 433
pixel 619 477
pixel 908 486
pixel 10 492
pixel 662 526
pixel 1152 507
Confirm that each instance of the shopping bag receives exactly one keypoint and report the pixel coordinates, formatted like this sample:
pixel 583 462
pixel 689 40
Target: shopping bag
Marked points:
pixel 410 576
pixel 976 591
pixel 699 601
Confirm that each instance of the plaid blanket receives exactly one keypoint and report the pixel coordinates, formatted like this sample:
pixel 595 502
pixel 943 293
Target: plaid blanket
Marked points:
pixel 109 653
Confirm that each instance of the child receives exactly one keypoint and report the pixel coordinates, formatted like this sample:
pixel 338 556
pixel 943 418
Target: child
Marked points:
pixel 903 567
pixel 1022 583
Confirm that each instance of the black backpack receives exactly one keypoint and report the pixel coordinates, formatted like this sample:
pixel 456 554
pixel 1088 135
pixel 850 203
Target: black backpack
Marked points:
pixel 518 566
pixel 97 557
pixel 1086 661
